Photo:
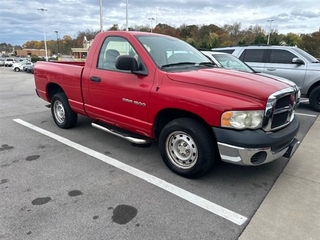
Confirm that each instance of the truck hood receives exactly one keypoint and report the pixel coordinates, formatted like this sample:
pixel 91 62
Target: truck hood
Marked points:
pixel 289 82
pixel 249 84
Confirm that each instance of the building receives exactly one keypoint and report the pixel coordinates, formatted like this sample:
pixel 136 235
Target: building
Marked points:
pixel 33 52
pixel 81 53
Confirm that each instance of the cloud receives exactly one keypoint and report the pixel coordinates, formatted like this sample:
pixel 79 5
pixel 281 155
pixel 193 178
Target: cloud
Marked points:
pixel 305 13
pixel 21 21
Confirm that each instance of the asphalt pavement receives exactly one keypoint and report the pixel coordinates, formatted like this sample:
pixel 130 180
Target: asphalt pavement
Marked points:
pixel 35 167
pixel 291 209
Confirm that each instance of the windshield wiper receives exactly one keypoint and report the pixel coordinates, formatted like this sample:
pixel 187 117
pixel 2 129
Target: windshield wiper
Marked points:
pixel 177 64
pixel 208 64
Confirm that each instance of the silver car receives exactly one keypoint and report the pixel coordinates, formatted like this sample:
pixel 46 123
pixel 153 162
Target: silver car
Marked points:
pixel 288 62
pixel 229 61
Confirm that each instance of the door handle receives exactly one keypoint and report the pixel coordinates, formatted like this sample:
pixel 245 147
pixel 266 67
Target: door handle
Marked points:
pixel 271 69
pixel 95 79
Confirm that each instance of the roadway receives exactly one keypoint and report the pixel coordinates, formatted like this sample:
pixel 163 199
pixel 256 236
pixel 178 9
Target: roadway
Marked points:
pixel 83 183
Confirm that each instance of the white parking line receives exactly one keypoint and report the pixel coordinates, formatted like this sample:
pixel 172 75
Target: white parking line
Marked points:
pixel 307 115
pixel 188 196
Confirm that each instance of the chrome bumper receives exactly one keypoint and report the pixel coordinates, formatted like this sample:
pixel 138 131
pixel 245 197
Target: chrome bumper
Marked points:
pixel 254 156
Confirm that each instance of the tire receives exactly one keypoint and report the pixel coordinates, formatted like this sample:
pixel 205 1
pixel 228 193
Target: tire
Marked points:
pixel 314 99
pixel 188 148
pixel 17 69
pixel 62 113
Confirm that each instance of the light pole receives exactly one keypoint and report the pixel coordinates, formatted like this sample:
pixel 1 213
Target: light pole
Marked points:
pixel 269 20
pixel 127 15
pixel 56 31
pixel 101 25
pixel 44 32
pixel 151 19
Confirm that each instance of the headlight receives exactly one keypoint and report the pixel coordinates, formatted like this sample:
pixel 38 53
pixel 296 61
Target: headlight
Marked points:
pixel 242 119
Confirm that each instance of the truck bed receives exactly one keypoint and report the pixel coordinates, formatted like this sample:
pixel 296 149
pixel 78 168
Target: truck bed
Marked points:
pixel 63 73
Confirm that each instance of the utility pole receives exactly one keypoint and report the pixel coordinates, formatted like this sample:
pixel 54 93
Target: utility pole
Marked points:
pixel 269 20
pixel 101 25
pixel 151 19
pixel 44 32
pixel 56 31
pixel 126 15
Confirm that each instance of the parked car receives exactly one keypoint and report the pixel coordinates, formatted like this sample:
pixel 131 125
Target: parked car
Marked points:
pixel 1 62
pixel 289 62
pixel 29 69
pixel 226 60
pixel 9 62
pixel 19 66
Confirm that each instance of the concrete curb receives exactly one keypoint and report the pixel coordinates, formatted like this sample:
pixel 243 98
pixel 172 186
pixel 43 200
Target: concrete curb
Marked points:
pixel 291 209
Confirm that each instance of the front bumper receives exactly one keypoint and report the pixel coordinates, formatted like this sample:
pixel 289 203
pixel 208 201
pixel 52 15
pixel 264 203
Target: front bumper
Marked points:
pixel 256 147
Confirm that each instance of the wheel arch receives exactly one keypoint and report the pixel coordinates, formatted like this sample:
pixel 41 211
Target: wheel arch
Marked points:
pixel 313 86
pixel 167 115
pixel 52 89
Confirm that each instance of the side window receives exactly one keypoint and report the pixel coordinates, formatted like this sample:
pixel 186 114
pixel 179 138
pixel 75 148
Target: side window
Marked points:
pixel 113 47
pixel 281 56
pixel 252 55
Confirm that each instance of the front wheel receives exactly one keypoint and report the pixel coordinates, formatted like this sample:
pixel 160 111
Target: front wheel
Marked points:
pixel 17 69
pixel 61 111
pixel 188 148
pixel 314 99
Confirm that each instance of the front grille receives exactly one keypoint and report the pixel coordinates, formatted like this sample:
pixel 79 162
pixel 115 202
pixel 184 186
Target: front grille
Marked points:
pixel 280 109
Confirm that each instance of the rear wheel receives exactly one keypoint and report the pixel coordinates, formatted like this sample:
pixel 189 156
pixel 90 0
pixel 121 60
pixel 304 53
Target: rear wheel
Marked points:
pixel 61 111
pixel 314 99
pixel 17 69
pixel 187 148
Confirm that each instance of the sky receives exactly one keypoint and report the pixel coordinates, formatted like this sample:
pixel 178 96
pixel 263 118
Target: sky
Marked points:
pixel 21 21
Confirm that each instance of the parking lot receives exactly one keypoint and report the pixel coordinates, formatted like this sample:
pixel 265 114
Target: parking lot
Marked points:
pixel 85 184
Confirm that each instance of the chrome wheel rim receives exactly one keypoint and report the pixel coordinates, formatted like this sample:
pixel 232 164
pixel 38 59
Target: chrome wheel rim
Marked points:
pixel 182 150
pixel 59 112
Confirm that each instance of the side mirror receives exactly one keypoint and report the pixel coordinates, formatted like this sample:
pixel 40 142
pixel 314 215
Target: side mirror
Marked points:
pixel 127 63
pixel 297 61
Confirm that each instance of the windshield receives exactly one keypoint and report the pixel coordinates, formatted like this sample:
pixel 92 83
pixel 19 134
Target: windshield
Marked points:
pixel 169 52
pixel 306 55
pixel 231 62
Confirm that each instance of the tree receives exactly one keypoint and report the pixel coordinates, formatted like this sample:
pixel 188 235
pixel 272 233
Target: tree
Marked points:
pixel 204 36
pixel 260 39
pixel 292 39
pixel 89 34
pixel 249 35
pixel 167 30
pixel 114 27
pixel 141 28
pixel 233 31
pixel 311 43
pixel 213 40
pixel 190 31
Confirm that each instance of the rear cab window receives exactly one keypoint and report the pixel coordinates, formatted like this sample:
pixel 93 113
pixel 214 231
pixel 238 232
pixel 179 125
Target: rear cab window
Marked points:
pixel 113 47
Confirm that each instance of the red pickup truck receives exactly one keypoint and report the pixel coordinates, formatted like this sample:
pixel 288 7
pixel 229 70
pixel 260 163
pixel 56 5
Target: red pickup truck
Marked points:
pixel 148 87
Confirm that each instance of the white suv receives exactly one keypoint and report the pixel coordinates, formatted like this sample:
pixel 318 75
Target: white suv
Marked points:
pixel 8 62
pixel 19 66
pixel 288 62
